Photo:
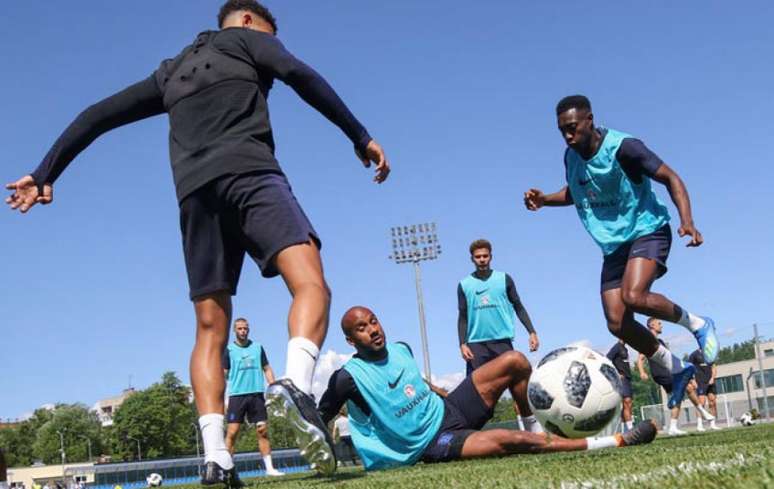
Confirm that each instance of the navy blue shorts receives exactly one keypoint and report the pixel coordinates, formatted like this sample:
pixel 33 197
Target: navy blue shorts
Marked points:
pixel 485 351
pixel 254 213
pixel 705 389
pixel 250 407
pixel 626 387
pixel 665 382
pixel 464 414
pixel 653 246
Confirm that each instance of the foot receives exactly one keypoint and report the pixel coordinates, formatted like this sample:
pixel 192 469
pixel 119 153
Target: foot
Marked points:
pixel 679 383
pixel 274 473
pixel 708 340
pixel 215 474
pixel 701 429
pixel 708 417
pixel 676 432
pixel 715 428
pixel 316 445
pixel 641 434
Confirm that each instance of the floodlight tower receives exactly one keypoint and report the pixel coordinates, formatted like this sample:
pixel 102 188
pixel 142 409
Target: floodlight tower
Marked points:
pixel 413 244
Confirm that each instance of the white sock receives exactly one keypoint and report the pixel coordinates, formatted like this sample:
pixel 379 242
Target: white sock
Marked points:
pixel 532 424
pixel 672 424
pixel 699 424
pixel 267 463
pixel 712 424
pixel 691 322
pixel 629 425
pixel 214 440
pixel 666 359
pixel 704 413
pixel 595 443
pixel 302 358
pixel 520 420
pixel 3 485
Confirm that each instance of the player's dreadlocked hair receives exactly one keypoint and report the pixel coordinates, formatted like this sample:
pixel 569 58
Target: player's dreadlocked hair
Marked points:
pixel 573 102
pixel 232 6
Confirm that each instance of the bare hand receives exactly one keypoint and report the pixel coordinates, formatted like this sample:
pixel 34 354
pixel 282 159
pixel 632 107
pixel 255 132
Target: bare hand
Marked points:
pixel 534 343
pixel 467 353
pixel 688 229
pixel 643 376
pixel 375 153
pixel 534 199
pixel 26 194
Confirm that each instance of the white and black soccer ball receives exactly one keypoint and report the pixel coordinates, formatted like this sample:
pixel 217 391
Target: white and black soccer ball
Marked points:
pixel 575 392
pixel 154 480
pixel 746 419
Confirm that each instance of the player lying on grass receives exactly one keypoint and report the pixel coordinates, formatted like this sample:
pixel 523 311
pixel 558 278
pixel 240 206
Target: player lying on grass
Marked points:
pixel 396 418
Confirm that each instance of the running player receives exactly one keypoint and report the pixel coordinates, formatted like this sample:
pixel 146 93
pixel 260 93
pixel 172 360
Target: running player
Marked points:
pixel 662 377
pixel 619 355
pixel 487 300
pixel 396 418
pixel 233 196
pixel 705 380
pixel 608 180
pixel 245 365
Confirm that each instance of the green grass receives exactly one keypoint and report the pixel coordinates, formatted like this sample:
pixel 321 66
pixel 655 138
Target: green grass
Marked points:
pixel 733 458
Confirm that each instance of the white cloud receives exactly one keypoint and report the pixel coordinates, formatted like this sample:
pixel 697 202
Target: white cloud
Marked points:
pixel 448 381
pixel 329 362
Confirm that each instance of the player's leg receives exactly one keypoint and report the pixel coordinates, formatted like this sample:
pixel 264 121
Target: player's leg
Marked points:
pixel 257 414
pixel 626 413
pixel 232 431
pixel 690 391
pixel 713 405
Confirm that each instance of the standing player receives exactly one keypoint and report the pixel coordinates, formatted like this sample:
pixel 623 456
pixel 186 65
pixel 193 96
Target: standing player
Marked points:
pixel 233 197
pixel 705 380
pixel 397 418
pixel 662 377
pixel 619 355
pixel 608 180
pixel 245 366
pixel 487 300
pixel 341 428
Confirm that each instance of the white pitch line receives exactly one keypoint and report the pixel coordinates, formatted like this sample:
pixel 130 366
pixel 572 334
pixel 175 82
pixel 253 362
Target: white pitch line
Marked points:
pixel 684 468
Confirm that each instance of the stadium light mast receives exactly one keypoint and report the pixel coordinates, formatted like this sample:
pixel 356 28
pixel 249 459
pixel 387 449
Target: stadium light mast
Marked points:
pixel 139 453
pixel 413 244
pixel 62 451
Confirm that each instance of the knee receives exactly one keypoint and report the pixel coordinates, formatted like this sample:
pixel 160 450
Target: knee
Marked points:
pixel 634 299
pixel 263 430
pixel 518 364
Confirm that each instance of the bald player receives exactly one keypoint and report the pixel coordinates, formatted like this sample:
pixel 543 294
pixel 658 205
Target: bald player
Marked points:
pixel 397 418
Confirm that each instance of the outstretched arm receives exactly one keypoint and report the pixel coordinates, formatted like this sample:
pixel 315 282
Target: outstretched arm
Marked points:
pixel 679 194
pixel 271 56
pixel 139 101
pixel 534 199
pixel 641 367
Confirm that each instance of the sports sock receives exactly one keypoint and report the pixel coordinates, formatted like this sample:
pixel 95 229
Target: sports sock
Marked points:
pixel 666 359
pixel 703 412
pixel 531 424
pixel 520 420
pixel 699 423
pixel 595 443
pixel 672 424
pixel 267 463
pixel 213 438
pixel 712 424
pixel 302 358
pixel 691 322
pixel 629 425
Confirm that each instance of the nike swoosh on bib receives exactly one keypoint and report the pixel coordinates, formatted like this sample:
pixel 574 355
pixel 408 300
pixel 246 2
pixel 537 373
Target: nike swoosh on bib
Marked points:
pixel 395 384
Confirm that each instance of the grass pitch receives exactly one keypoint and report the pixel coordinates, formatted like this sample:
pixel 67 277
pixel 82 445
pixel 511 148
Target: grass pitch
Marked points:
pixel 732 458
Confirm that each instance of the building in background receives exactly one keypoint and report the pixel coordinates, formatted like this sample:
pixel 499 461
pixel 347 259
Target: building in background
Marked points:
pixel 106 408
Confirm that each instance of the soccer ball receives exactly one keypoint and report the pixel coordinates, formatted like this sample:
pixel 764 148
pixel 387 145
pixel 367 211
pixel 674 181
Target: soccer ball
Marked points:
pixel 154 480
pixel 575 392
pixel 746 419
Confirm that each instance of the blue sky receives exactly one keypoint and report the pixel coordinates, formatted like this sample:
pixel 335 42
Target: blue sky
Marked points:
pixel 460 94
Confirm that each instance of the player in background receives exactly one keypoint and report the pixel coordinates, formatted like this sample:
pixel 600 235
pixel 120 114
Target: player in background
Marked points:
pixel 3 471
pixel 247 370
pixel 488 306
pixel 234 200
pixel 341 428
pixel 619 355
pixel 706 374
pixel 662 377
pixel 608 176
pixel 397 418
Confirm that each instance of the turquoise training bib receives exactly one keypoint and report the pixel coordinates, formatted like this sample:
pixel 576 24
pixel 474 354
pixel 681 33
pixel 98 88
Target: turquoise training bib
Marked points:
pixel 245 374
pixel 490 313
pixel 613 209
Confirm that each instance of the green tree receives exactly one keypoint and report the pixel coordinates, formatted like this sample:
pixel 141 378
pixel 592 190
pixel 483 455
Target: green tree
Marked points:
pixel 19 440
pixel 736 352
pixel 76 422
pixel 161 417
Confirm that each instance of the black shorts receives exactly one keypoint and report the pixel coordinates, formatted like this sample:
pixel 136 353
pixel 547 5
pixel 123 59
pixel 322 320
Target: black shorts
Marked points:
pixel 626 387
pixel 464 414
pixel 706 389
pixel 664 382
pixel 254 213
pixel 250 407
pixel 485 351
pixel 653 246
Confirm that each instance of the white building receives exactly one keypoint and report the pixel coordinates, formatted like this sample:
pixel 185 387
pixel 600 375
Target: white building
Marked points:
pixel 106 408
pixel 741 381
